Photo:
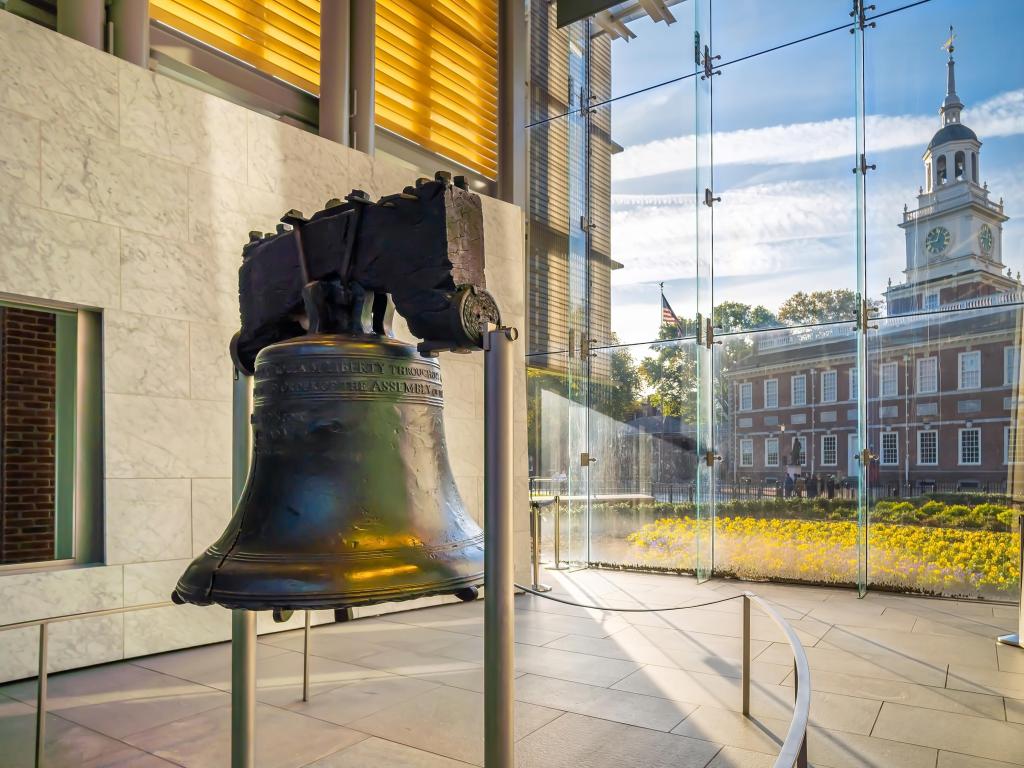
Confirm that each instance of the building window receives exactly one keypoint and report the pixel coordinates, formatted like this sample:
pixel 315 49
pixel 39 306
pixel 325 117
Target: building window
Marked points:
pixel 771 393
pixel 890 449
pixel 927 375
pixel 746 396
pixel 746 453
pixel 970 446
pixel 828 386
pixel 771 452
pixel 969 374
pixel 802 443
pixel 798 390
pixel 829 450
pixel 1011 366
pixel 888 383
pixel 928 447
pixel 853 384
pixel 37 454
pixel 1011 454
pixel 931 301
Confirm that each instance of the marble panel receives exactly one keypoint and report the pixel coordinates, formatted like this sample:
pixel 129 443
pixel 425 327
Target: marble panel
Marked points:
pixel 465 438
pixel 48 255
pixel 99 180
pixel 210 366
pixel 146 583
pixel 37 594
pixel 503 255
pixel 79 82
pixel 148 519
pixel 170 278
pixel 178 122
pixel 72 644
pixel 222 212
pixel 294 163
pixel 158 437
pixel 145 355
pixel 19 158
pixel 211 510
pixel 179 626
pixel 379 176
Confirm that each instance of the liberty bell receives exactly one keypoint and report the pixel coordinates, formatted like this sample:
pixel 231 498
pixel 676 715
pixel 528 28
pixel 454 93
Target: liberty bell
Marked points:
pixel 350 498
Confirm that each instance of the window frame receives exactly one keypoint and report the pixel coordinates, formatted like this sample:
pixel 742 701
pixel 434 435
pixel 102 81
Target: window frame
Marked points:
pixel 960 447
pixel 883 369
pixel 802 439
pixel 746 396
pixel 895 435
pixel 854 388
pixel 834 374
pixel 934 360
pixel 974 354
pixel 746 442
pixel 1011 366
pixel 934 433
pixel 765 392
pixel 768 451
pixel 834 439
pixel 802 377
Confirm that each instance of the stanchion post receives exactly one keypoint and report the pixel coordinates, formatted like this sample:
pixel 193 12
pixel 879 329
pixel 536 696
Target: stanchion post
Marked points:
pixel 558 533
pixel 41 695
pixel 746 655
pixel 535 520
pixel 1017 638
pixel 305 661
pixel 243 623
pixel 499 608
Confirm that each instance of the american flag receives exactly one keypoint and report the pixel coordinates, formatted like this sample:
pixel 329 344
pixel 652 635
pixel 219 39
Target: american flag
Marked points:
pixel 668 317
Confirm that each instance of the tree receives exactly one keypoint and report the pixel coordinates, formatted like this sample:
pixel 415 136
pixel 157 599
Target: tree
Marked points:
pixel 819 307
pixel 671 372
pixel 623 397
pixel 736 316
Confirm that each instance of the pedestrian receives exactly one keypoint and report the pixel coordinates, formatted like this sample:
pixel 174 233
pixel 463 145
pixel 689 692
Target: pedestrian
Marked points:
pixel 830 486
pixel 812 487
pixel 789 485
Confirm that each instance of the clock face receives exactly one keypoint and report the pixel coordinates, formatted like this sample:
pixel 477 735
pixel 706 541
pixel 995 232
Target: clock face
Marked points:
pixel 985 239
pixel 937 240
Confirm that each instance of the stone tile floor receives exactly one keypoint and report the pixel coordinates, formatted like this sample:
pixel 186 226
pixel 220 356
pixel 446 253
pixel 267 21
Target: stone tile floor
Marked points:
pixel 897 681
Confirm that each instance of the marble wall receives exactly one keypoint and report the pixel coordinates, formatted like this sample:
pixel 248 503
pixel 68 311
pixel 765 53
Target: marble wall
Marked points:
pixel 129 193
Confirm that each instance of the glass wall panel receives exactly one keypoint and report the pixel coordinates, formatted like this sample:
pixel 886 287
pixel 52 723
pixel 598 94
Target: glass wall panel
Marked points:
pixel 784 144
pixel 642 418
pixel 786 431
pixel 943 416
pixel 745 27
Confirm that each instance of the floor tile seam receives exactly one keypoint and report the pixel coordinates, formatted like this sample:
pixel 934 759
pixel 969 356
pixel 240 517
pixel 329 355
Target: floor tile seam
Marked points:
pixel 318 758
pixel 617 658
pixel 390 741
pixel 939 749
pixel 714 756
pixel 616 690
pixel 1009 724
pixel 965 754
pixel 120 740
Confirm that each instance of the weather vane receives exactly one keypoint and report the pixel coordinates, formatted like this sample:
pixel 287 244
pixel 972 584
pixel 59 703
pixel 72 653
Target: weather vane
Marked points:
pixel 948 45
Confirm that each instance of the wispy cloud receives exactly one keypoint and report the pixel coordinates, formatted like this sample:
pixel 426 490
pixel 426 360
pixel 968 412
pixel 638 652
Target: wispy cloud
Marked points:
pixel 1002 115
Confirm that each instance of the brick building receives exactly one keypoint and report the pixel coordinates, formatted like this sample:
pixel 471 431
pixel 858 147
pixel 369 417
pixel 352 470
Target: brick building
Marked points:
pixel 942 365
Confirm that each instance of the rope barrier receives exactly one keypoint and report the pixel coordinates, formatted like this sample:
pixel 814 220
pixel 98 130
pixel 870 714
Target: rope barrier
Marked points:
pixel 548 596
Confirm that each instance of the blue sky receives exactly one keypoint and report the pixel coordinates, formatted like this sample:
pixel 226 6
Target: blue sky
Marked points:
pixel 784 145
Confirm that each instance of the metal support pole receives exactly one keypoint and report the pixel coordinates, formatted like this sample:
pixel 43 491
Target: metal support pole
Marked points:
pixel 335 17
pixel 801 759
pixel 130 37
pixel 82 20
pixel 243 688
pixel 361 73
pixel 305 661
pixel 746 655
pixel 41 695
pixel 1017 639
pixel 535 525
pixel 243 623
pixel 558 537
pixel 499 606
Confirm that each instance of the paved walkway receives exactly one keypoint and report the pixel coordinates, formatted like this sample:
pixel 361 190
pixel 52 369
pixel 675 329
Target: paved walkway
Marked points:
pixel 898 682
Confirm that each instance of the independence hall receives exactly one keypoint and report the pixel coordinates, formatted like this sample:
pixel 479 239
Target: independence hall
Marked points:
pixel 942 392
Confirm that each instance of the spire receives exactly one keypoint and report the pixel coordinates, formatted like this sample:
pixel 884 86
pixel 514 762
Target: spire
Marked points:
pixel 951 105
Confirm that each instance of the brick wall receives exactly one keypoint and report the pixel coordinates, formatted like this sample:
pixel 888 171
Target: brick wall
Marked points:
pixel 28 412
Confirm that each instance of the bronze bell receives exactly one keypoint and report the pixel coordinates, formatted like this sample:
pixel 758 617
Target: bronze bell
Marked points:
pixel 350 498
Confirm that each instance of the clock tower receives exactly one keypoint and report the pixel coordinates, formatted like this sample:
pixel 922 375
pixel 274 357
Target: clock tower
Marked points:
pixel 954 237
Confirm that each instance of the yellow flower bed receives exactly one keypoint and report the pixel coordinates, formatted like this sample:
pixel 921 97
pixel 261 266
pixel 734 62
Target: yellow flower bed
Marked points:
pixel 941 560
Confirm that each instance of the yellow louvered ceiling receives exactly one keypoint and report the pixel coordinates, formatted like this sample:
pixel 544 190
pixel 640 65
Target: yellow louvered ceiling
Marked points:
pixel 437 62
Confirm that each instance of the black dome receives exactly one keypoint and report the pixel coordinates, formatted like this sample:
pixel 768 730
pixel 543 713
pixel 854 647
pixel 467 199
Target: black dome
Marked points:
pixel 953 132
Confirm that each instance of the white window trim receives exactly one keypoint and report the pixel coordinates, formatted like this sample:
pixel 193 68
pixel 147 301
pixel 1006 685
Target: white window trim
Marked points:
pixel 960 447
pixel 1010 375
pixel 853 385
pixel 768 452
pixel 919 389
pixel 748 387
pixel 792 389
pixel 924 302
pixel 766 383
pixel 881 453
pixel 835 387
pixel 960 369
pixel 745 443
pixel 835 450
pixel 1019 459
pixel 882 368
pixel 921 432
pixel 802 439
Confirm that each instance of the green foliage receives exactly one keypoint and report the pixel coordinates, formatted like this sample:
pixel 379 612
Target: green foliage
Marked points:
pixel 818 307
